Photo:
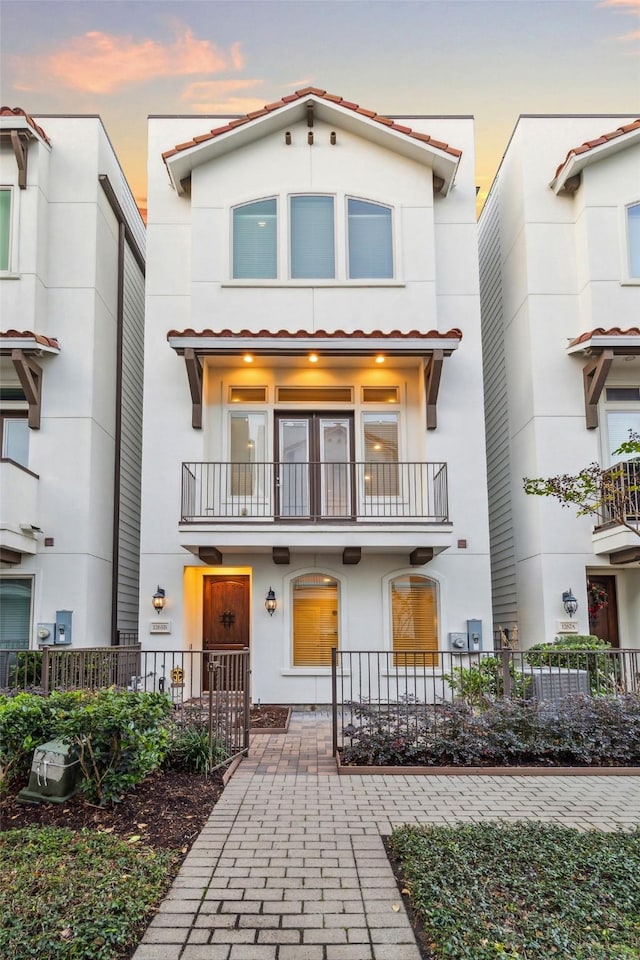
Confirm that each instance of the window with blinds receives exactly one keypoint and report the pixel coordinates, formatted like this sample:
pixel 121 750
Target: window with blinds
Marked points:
pixel 370 241
pixel 414 615
pixel 312 238
pixel 381 454
pixel 315 620
pixel 15 613
pixel 255 227
pixel 5 228
pixel 633 240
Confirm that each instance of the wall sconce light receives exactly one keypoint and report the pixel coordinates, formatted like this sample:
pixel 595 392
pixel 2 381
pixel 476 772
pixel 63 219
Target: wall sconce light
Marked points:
pixel 270 602
pixel 569 602
pixel 159 600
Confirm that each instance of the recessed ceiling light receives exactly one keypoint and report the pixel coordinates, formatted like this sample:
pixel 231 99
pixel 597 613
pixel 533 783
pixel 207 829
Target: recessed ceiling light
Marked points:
pixel 313 358
pixel 379 358
pixel 248 358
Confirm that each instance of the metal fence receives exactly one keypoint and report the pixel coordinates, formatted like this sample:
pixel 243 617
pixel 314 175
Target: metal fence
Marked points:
pixel 405 685
pixel 207 687
pixel 620 494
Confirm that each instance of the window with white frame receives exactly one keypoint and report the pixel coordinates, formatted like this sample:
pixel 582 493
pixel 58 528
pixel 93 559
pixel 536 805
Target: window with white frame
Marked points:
pixel 414 620
pixel 15 613
pixel 633 240
pixel 314 604
pixel 247 451
pixel 14 430
pixel 5 228
pixel 622 411
pixel 310 237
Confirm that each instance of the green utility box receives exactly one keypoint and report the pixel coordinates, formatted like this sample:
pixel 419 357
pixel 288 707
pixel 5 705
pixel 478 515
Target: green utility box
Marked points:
pixel 55 773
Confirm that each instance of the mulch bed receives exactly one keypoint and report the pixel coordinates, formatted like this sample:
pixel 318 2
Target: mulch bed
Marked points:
pixel 269 716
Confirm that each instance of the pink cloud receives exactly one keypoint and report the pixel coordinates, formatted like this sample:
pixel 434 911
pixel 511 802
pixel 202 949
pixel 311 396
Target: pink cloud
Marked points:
pixel 633 6
pixel 221 96
pixel 99 62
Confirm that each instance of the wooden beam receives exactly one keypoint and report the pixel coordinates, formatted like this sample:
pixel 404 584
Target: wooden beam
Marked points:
pixel 632 555
pixel 281 555
pixel 572 184
pixel 438 183
pixel 21 158
pixel 194 373
pixel 420 556
pixel 432 374
pixel 210 556
pixel 351 555
pixel 310 113
pixel 594 376
pixel 11 557
pixel 30 376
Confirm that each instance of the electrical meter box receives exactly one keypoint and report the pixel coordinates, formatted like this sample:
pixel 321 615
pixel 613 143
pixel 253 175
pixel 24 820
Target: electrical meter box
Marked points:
pixel 55 773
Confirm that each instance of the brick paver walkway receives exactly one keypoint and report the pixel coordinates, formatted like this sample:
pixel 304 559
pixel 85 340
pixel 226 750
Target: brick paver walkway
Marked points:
pixel 291 864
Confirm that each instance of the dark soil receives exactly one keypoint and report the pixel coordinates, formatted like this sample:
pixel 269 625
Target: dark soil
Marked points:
pixel 268 715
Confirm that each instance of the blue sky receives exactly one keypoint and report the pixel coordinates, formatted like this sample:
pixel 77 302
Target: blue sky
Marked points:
pixel 495 59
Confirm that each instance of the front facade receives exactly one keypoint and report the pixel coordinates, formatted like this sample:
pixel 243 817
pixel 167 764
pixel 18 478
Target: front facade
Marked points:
pixel 71 353
pixel 560 285
pixel 313 425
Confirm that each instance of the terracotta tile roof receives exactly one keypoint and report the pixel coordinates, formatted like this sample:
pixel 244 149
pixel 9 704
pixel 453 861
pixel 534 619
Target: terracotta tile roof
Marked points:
pixel 603 138
pixel 453 334
pixel 601 332
pixel 19 112
pixel 29 335
pixel 323 95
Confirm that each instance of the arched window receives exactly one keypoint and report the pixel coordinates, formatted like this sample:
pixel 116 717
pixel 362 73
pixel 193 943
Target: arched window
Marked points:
pixel 414 616
pixel 314 604
pixel 633 239
pixel 254 241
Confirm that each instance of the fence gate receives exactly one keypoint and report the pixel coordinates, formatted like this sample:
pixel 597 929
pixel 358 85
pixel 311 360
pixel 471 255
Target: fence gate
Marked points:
pixel 229 702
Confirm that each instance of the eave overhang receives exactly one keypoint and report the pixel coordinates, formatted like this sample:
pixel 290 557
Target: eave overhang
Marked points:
pixel 567 175
pixel 24 348
pixel 19 129
pixel 442 159
pixel 600 348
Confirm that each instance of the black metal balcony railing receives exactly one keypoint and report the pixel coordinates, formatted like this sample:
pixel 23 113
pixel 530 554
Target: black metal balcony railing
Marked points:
pixel 620 494
pixel 318 492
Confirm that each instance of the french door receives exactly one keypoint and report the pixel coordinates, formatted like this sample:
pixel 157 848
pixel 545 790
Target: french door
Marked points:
pixel 314 466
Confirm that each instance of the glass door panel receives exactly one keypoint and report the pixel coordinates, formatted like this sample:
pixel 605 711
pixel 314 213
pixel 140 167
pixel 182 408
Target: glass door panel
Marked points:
pixel 293 468
pixel 335 479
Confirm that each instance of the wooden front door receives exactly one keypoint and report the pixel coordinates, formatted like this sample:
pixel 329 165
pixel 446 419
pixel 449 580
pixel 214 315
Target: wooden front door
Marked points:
pixel 225 620
pixel 603 608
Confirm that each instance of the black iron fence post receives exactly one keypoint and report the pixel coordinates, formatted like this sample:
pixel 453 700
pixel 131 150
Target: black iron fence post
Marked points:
pixel 334 699
pixel 506 673
pixel 44 677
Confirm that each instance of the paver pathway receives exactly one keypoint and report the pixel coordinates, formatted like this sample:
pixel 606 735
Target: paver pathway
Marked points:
pixel 291 864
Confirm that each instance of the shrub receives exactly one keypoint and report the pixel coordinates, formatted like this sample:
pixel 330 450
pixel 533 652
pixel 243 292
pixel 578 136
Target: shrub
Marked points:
pixel 27 670
pixel 580 731
pixel 121 737
pixel 75 895
pixel 188 749
pixel 585 652
pixel 495 891
pixel 484 681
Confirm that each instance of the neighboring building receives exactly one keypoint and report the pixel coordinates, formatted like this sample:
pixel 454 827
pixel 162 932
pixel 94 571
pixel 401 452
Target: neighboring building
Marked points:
pixel 313 416
pixel 560 285
pixel 72 304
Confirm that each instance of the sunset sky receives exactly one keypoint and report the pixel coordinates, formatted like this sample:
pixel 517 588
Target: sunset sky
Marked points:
pixel 495 59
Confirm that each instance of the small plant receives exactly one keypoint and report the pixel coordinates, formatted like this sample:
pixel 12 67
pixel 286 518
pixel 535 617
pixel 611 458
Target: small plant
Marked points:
pixel 189 749
pixel 27 670
pixel 483 682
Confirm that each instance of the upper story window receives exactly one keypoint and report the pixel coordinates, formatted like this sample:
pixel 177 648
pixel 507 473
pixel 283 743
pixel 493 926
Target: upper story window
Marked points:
pixel 310 239
pixel 255 228
pixel 633 240
pixel 622 408
pixel 5 228
pixel 14 430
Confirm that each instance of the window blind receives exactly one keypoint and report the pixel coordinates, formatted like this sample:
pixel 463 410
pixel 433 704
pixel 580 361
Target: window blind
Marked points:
pixel 254 241
pixel 15 614
pixel 315 620
pixel 312 238
pixel 414 613
pixel 370 242
pixel 633 236
pixel 5 228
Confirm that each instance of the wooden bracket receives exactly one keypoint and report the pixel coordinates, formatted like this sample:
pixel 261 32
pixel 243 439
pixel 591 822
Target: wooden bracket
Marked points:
pixel 351 555
pixel 420 556
pixel 281 555
pixel 310 113
pixel 10 557
pixel 30 376
pixel 432 374
pixel 194 373
pixel 21 158
pixel 594 376
pixel 632 555
pixel 210 556
pixel 438 183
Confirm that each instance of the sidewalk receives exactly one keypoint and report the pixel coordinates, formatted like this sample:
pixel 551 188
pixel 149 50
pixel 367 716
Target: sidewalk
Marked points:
pixel 291 864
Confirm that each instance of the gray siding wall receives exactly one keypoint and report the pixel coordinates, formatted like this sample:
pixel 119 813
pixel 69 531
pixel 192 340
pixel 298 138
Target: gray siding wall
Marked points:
pixel 131 444
pixel 503 563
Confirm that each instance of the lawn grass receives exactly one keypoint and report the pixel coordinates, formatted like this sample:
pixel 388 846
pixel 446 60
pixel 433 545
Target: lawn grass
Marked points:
pixel 523 891
pixel 68 895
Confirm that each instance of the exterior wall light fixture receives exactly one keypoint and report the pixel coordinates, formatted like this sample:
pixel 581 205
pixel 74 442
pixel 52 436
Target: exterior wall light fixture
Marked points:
pixel 158 600
pixel 569 602
pixel 270 602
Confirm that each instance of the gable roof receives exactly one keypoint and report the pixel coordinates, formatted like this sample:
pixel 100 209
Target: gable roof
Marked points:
pixel 183 157
pixel 593 150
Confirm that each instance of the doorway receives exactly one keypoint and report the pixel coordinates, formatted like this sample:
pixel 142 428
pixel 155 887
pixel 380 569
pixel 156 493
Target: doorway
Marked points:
pixel 225 616
pixel 603 608
pixel 314 466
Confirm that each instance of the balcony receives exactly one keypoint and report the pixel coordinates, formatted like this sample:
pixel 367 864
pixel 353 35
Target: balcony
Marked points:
pixel 18 511
pixel 617 531
pixel 316 493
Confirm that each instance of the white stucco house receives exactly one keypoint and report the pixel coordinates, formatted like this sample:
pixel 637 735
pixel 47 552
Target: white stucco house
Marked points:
pixel 71 354
pixel 313 411
pixel 560 285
